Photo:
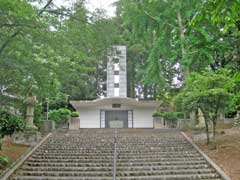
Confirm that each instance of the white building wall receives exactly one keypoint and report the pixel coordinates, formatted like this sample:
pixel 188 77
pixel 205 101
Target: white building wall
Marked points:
pixel 89 118
pixel 142 118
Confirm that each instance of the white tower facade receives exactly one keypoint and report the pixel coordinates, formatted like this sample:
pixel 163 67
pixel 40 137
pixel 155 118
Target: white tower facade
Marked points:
pixel 117 72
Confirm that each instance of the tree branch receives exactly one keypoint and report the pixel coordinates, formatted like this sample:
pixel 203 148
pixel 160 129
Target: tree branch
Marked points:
pixel 7 25
pixel 5 44
pixel 149 15
pixel 43 9
pixel 9 40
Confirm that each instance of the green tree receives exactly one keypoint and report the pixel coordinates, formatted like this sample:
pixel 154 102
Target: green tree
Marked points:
pixel 209 91
pixel 9 124
pixel 158 27
pixel 61 52
pixel 234 104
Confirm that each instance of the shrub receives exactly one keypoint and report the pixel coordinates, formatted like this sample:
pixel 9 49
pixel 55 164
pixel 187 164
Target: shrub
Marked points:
pixel 10 123
pixel 169 115
pixel 156 114
pixel 3 161
pixel 59 115
pixel 74 114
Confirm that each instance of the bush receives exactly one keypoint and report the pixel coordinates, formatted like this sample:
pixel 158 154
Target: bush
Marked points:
pixel 156 114
pixel 74 114
pixel 169 115
pixel 10 123
pixel 3 161
pixel 59 115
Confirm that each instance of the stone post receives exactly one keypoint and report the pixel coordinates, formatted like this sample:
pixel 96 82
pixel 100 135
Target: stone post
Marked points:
pixel 158 122
pixel 30 136
pixel 237 120
pixel 193 118
pixel 201 119
pixel 31 102
pixel 221 116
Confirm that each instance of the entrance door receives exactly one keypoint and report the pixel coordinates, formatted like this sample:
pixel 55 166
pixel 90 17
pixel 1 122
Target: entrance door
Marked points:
pixel 116 119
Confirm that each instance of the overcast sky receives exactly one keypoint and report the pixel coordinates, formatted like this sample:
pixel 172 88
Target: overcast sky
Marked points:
pixel 92 4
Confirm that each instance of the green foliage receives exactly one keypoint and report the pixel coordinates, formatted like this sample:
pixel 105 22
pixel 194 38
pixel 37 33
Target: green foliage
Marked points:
pixel 158 26
pixel 10 123
pixel 75 114
pixel 222 12
pixel 4 161
pixel 210 91
pixel 193 35
pixel 59 115
pixel 234 104
pixel 172 115
pixel 156 114
pixel 61 52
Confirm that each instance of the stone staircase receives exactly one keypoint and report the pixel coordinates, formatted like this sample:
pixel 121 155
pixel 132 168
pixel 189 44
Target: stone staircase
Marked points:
pixel 140 154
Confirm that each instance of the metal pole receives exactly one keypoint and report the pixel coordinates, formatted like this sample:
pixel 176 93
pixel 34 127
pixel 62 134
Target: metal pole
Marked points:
pixel 115 155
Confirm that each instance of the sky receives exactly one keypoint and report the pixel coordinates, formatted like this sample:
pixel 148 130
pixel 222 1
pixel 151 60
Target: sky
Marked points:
pixel 92 5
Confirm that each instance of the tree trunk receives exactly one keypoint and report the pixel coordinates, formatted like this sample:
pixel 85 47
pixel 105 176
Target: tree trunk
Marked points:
pixel 207 131
pixel 182 39
pixel 145 92
pixel 1 143
pixel 206 124
pixel 214 128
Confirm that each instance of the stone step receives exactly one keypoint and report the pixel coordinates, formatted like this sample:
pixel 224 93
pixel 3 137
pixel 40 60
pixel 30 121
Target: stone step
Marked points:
pixel 158 142
pixel 59 159
pixel 59 178
pixel 94 154
pixel 119 174
pixel 133 151
pixel 128 168
pixel 77 169
pixel 71 160
pixel 87 157
pixel 44 151
pixel 142 154
pixel 120 156
pixel 166 177
pixel 66 173
pixel 80 164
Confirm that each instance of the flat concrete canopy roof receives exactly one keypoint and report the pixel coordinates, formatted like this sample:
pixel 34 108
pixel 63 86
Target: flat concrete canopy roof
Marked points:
pixel 114 100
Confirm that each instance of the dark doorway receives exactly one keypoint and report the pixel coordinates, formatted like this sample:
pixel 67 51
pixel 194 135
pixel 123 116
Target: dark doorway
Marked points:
pixel 116 119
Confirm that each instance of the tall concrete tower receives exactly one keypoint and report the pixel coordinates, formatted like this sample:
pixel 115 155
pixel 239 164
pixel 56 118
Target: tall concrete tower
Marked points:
pixel 117 72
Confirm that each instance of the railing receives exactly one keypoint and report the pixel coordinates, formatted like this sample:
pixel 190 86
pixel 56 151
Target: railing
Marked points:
pixel 115 155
